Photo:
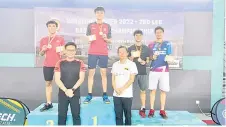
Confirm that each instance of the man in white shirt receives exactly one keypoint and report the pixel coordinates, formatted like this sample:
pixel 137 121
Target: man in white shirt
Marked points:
pixel 123 73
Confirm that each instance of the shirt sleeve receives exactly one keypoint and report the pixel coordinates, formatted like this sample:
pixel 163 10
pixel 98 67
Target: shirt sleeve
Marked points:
pixel 57 67
pixel 150 46
pixel 147 52
pixel 62 42
pixel 133 69
pixel 88 31
pixel 82 66
pixel 41 44
pixel 113 69
pixel 109 31
pixel 169 48
pixel 129 50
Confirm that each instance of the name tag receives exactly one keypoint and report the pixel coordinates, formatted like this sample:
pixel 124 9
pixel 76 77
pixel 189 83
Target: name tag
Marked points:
pixel 92 37
pixel 59 48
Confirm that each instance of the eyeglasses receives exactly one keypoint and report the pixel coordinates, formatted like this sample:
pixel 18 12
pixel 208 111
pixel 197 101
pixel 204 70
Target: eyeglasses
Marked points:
pixel 70 50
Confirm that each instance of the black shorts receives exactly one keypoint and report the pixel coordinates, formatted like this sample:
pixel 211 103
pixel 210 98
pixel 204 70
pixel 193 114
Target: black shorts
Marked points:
pixel 48 73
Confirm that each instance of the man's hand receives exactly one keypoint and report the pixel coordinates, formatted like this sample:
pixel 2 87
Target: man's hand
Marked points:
pixel 106 39
pixel 142 62
pixel 62 53
pixel 154 57
pixel 69 93
pixel 44 47
pixel 118 91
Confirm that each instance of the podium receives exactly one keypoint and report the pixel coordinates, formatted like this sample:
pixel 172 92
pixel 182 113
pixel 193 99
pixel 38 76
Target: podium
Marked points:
pixel 98 113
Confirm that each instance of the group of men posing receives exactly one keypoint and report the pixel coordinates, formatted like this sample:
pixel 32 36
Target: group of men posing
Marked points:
pixel 69 72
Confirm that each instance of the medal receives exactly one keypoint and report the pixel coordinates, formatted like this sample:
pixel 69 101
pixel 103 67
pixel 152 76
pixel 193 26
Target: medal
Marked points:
pixel 101 33
pixel 104 35
pixel 139 51
pixel 49 46
pixel 100 29
pixel 159 46
pixel 49 42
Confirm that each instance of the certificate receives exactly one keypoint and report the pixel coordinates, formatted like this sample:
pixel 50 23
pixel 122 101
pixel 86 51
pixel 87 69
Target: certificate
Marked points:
pixel 169 58
pixel 59 48
pixel 92 38
pixel 135 54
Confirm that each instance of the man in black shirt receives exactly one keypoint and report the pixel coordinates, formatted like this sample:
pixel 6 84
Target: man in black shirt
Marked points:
pixel 69 75
pixel 139 53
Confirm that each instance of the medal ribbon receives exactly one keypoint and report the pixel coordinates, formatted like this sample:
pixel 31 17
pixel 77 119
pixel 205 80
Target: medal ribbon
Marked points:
pixel 139 50
pixel 50 40
pixel 100 28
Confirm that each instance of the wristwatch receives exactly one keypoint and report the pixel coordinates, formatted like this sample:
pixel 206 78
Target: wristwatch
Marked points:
pixel 73 89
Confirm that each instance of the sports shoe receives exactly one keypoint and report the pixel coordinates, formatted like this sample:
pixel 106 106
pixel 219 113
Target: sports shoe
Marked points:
pixel 162 113
pixel 88 99
pixel 105 99
pixel 142 113
pixel 151 113
pixel 46 107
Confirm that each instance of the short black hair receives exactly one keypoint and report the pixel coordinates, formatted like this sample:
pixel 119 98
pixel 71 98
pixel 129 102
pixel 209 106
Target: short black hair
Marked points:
pixel 137 32
pixel 122 46
pixel 159 28
pixel 70 44
pixel 99 9
pixel 51 22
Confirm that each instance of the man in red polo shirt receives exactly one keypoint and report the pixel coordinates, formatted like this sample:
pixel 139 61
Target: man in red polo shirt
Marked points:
pixel 99 35
pixel 51 47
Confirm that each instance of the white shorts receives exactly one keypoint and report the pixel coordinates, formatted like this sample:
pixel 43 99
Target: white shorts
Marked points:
pixel 161 78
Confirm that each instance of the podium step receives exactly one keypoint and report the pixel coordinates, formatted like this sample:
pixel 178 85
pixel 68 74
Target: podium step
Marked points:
pixel 98 113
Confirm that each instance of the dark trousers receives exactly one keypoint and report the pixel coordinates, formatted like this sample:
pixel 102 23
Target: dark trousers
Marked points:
pixel 63 102
pixel 123 105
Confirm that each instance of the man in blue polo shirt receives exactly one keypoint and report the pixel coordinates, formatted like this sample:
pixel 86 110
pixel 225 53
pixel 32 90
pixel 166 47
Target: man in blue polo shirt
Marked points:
pixel 160 51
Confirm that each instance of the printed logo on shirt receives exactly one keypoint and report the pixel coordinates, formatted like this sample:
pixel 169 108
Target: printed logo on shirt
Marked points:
pixel 126 68
pixel 124 72
pixel 119 73
pixel 160 52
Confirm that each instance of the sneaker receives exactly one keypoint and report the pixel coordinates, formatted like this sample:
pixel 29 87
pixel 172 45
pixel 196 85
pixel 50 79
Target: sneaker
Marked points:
pixel 142 113
pixel 105 99
pixel 88 99
pixel 46 107
pixel 163 114
pixel 151 113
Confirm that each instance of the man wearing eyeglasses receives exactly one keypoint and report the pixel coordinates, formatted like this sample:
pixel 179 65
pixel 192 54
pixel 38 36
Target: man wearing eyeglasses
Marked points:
pixel 69 75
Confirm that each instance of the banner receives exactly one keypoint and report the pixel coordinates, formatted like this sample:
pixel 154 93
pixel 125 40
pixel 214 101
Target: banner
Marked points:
pixel 73 24
pixel 12 112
